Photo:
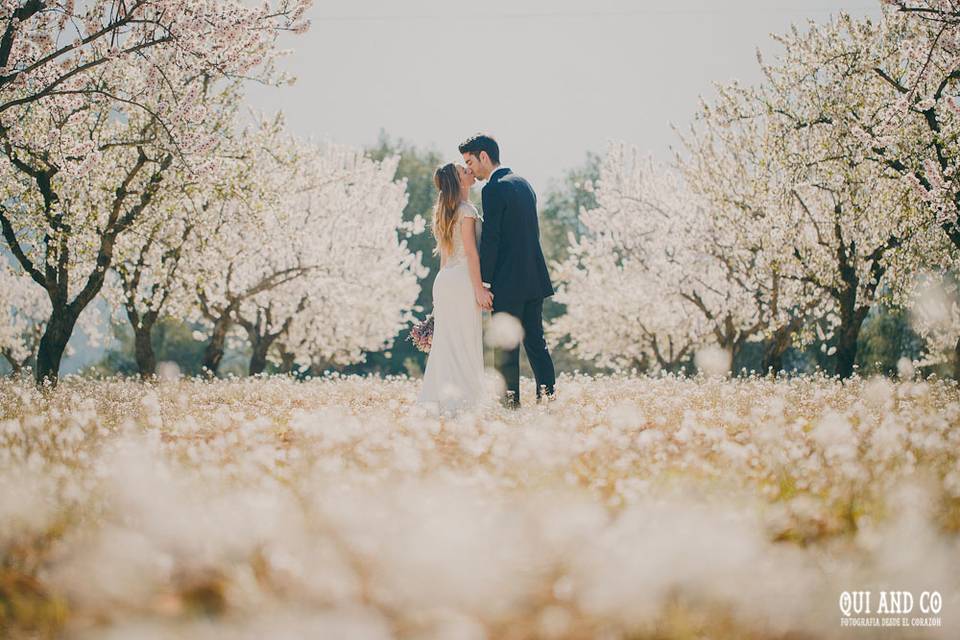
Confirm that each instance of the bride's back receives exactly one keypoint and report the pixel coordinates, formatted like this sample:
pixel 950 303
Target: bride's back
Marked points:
pixel 464 210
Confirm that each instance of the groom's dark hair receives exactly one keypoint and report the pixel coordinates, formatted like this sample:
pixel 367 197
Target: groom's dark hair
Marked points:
pixel 481 142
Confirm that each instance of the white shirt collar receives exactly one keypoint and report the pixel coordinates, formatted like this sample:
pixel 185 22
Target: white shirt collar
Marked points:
pixel 498 168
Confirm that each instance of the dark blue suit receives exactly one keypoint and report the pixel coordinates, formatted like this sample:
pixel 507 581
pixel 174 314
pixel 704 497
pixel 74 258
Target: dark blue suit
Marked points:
pixel 511 260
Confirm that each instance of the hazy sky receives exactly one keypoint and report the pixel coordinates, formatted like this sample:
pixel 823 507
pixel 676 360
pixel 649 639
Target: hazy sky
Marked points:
pixel 551 79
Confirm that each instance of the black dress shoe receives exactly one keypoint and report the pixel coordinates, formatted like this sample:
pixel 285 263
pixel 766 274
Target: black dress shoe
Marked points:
pixel 510 401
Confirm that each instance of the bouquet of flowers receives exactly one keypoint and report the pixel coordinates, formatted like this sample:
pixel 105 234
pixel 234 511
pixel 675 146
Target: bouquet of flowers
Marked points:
pixel 421 335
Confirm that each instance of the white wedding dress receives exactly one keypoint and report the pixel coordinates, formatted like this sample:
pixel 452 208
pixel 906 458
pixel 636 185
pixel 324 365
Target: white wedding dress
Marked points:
pixel 454 377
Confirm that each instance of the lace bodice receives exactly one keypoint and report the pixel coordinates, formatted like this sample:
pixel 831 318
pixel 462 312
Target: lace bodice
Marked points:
pixel 464 211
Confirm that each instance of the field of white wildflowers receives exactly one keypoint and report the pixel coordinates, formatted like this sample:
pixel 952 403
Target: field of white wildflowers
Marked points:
pixel 631 507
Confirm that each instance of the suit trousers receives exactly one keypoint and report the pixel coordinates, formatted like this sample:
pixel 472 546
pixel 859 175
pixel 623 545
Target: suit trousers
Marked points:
pixel 507 361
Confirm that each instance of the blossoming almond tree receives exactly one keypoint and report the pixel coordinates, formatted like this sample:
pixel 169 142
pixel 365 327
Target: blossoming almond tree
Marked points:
pixel 145 287
pixel 96 105
pixel 935 307
pixel 943 12
pixel 51 48
pixel 648 285
pixel 851 214
pixel 311 260
pixel 608 318
pixel 22 313
pixel 607 287
pixel 23 317
pixel 916 67
pixel 76 176
pixel 367 281
pixel 363 281
pixel 249 241
pixel 724 165
pixel 918 70
pixel 929 290
pixel 789 218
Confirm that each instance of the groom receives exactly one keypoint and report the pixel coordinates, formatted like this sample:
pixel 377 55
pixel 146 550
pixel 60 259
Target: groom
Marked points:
pixel 512 264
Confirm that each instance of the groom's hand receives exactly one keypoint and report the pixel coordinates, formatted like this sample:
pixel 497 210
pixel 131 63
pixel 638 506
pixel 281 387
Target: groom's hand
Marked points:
pixel 484 299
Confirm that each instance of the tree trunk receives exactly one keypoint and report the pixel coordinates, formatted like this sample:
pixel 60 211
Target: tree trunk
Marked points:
pixel 851 321
pixel 734 351
pixel 143 340
pixel 642 364
pixel 143 350
pixel 773 356
pixel 258 359
pixel 286 362
pixel 53 344
pixel 732 339
pixel 261 339
pixel 732 342
pixel 213 354
pixel 777 346
pixel 846 354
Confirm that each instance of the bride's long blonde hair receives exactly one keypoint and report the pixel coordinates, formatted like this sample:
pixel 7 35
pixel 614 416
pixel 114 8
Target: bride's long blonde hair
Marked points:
pixel 447 182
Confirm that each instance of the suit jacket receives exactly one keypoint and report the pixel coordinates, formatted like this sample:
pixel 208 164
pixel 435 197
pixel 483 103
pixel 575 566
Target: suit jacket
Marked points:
pixel 511 258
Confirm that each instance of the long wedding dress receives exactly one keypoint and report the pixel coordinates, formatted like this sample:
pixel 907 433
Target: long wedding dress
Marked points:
pixel 454 377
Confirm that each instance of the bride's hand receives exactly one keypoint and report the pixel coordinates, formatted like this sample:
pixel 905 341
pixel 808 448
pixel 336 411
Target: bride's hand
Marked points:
pixel 484 298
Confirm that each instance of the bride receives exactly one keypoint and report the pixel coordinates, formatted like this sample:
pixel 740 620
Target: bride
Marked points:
pixel 454 377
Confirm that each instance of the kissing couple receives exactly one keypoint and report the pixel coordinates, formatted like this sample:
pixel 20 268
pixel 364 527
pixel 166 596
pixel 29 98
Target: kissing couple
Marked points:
pixel 494 264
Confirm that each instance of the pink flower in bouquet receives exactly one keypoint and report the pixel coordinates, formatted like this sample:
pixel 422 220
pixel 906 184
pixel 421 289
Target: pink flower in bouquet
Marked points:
pixel 421 335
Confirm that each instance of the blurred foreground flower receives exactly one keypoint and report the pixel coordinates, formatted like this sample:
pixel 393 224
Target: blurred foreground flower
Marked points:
pixel 504 331
pixel 335 507
pixel 713 361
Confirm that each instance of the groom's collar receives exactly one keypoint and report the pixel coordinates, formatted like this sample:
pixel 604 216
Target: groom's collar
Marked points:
pixel 501 169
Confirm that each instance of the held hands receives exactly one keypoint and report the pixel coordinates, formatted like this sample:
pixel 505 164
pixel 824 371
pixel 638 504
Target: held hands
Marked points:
pixel 484 298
